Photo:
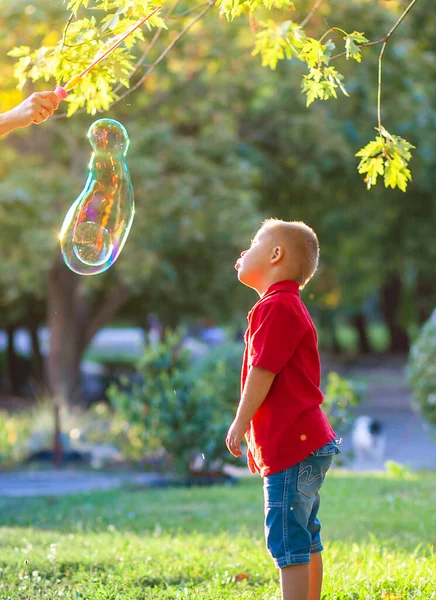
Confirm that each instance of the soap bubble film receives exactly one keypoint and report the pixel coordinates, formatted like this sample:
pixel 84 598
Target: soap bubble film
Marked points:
pixel 97 224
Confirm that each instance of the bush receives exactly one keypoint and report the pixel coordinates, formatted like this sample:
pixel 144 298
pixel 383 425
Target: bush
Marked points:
pixel 221 367
pixel 340 396
pixel 101 425
pixel 14 437
pixel 179 408
pixel 421 372
pixel 29 431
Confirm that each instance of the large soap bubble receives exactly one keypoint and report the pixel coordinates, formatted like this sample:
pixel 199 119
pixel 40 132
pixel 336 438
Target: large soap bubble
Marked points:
pixel 97 224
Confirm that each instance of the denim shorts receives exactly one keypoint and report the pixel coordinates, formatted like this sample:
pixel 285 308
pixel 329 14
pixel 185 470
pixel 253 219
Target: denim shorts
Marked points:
pixel 292 529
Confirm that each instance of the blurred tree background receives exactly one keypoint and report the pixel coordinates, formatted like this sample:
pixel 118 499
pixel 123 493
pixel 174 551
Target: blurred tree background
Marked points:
pixel 219 142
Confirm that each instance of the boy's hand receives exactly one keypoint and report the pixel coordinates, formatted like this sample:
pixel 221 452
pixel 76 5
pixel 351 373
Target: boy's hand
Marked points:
pixel 35 109
pixel 235 435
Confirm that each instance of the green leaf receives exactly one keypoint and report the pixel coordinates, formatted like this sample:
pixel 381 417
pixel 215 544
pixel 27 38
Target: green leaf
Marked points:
pixel 313 53
pixel 156 21
pixel 313 89
pixel 19 51
pixel 372 148
pixel 396 173
pixel 373 167
pixel 74 5
pixel 329 89
pixel 110 21
pixel 276 42
pixel 329 46
pixel 230 9
pixel 280 4
pixel 336 78
pixel 358 37
pixel 322 83
pixel 255 5
pixel 388 156
pixel 352 42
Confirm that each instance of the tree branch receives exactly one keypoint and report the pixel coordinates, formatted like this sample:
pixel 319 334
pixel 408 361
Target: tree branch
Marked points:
pixel 210 3
pixel 95 39
pixel 189 10
pixel 149 47
pixel 385 39
pixel 305 21
pixel 379 86
pixel 397 24
pixel 70 18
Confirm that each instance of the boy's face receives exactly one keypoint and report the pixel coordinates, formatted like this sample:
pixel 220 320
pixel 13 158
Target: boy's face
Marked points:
pixel 255 262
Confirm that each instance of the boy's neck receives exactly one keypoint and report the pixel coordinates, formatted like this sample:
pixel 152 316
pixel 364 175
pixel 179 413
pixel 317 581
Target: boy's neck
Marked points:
pixel 269 281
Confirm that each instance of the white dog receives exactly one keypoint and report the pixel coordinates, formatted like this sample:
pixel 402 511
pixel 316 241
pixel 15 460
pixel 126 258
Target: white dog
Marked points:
pixel 368 439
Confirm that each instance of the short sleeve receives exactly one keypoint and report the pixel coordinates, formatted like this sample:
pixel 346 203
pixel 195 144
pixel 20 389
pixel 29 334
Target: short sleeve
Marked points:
pixel 276 331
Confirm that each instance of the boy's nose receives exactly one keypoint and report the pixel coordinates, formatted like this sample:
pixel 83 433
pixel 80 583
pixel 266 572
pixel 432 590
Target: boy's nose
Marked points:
pixel 243 252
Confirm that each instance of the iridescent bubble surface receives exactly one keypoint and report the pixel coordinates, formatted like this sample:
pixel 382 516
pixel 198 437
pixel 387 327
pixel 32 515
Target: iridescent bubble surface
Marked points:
pixel 85 247
pixel 97 224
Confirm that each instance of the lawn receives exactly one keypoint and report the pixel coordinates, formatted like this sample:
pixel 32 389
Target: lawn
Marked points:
pixel 379 533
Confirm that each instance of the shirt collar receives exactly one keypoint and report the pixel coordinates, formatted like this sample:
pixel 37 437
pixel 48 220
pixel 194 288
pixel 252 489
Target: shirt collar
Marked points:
pixel 286 285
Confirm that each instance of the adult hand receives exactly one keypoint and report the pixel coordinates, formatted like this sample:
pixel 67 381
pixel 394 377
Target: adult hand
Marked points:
pixel 35 109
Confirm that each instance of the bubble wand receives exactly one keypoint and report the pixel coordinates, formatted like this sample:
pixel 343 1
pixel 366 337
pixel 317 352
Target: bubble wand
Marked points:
pixel 62 91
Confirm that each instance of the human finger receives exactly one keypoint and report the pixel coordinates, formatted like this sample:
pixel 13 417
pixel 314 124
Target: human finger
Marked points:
pixel 238 451
pixel 50 97
pixel 38 118
pixel 53 98
pixel 39 110
pixel 44 113
pixel 47 109
pixel 235 447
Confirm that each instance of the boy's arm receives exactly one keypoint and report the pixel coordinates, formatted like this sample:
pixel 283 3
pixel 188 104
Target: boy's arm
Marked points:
pixel 34 109
pixel 256 388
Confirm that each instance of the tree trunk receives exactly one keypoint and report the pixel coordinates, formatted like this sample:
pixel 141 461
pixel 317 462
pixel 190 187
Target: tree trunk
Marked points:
pixel 390 303
pixel 14 376
pixel 57 440
pixel 62 363
pixel 33 322
pixel 73 324
pixel 359 324
pixel 331 328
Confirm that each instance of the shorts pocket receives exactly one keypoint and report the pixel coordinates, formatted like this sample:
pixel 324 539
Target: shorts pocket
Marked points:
pixel 311 473
pixel 329 449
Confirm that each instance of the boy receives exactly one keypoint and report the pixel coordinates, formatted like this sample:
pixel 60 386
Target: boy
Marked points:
pixel 290 441
pixel 34 109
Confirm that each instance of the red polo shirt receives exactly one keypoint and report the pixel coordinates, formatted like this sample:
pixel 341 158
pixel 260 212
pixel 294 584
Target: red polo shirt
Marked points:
pixel 289 424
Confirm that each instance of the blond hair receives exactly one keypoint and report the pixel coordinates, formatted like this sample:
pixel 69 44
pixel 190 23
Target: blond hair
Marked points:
pixel 304 244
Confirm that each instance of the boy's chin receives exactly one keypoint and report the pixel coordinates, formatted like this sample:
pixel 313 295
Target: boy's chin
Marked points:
pixel 241 276
pixel 245 279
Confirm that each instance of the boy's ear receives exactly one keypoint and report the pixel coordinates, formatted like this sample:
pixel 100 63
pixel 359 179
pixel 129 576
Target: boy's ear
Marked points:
pixel 277 254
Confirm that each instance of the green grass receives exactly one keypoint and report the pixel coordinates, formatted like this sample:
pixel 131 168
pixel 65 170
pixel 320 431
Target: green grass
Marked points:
pixel 378 531
pixel 347 338
pixel 112 357
pixel 378 335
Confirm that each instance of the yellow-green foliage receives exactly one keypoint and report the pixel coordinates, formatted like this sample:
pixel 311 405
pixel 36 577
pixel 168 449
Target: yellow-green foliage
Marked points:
pixel 94 23
pixel 82 40
pixel 388 156
pixel 14 436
